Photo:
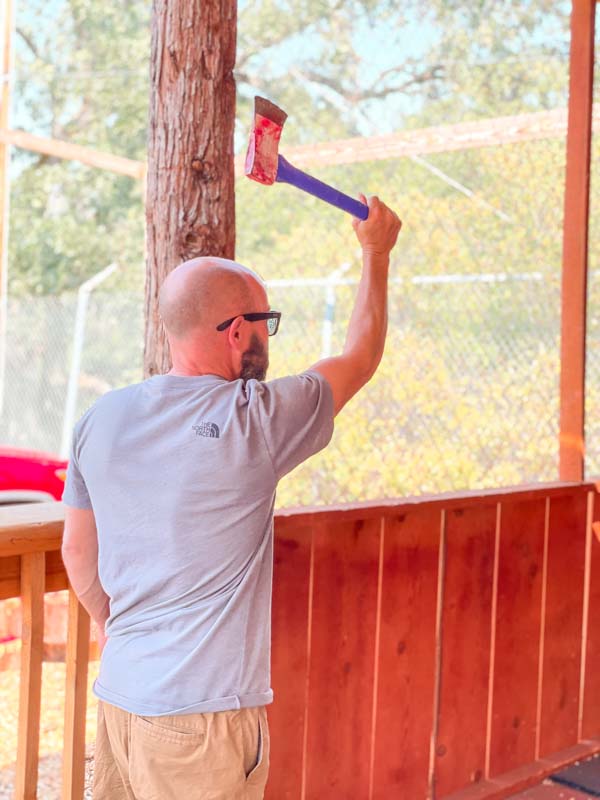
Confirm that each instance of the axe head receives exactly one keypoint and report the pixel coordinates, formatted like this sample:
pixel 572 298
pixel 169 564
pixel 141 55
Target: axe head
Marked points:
pixel 262 155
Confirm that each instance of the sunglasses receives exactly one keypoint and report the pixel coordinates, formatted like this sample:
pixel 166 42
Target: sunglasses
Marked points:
pixel 272 318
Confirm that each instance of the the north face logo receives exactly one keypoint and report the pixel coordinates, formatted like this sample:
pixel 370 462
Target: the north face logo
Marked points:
pixel 208 429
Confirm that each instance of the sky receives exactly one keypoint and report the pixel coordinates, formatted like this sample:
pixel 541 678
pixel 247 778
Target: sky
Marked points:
pixel 377 43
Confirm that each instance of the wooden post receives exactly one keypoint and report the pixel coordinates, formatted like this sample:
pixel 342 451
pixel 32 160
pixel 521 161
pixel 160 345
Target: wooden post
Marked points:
pixel 33 567
pixel 190 204
pixel 78 648
pixel 575 243
pixel 7 62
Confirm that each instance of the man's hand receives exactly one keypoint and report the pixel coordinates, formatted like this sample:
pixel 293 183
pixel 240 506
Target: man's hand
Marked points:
pixel 377 234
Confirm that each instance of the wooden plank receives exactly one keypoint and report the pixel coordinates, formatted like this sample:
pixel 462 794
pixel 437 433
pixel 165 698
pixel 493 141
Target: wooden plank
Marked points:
pixel 289 661
pixel 289 518
pixel 74 152
pixel 591 693
pixel 78 639
pixel 30 688
pixel 466 632
pixel 342 662
pixel 10 574
pixel 30 528
pixel 439 139
pixel 518 620
pixel 532 774
pixel 563 621
pixel 575 241
pixel 407 655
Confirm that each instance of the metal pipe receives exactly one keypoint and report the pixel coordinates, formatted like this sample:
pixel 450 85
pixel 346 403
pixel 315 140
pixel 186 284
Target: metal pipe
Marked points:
pixel 83 296
pixel 330 299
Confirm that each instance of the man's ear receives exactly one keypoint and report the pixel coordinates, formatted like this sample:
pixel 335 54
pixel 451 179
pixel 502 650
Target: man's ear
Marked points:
pixel 234 333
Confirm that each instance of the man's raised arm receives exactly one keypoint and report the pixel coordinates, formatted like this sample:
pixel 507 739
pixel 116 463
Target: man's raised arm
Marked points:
pixel 365 340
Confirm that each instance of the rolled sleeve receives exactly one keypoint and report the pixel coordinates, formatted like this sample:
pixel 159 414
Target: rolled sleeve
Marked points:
pixel 75 493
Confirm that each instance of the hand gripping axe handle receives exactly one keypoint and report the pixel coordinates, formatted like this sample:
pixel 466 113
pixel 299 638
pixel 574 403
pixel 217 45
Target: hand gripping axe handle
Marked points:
pixel 265 165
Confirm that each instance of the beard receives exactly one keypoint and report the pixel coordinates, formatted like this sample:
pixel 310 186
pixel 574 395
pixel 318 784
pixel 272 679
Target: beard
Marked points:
pixel 255 361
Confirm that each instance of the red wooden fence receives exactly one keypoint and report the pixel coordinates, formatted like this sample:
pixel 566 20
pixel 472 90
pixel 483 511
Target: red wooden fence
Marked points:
pixel 441 648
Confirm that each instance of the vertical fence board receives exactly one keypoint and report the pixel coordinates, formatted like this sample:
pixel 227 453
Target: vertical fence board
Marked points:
pixel 518 620
pixel 591 698
pixel 564 609
pixel 466 629
pixel 289 661
pixel 77 657
pixel 341 671
pixel 30 688
pixel 407 655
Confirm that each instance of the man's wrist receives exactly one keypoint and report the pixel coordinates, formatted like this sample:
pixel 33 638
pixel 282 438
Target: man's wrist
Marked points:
pixel 376 256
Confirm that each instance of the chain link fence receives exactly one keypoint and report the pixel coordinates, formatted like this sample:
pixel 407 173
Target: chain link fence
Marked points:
pixel 466 395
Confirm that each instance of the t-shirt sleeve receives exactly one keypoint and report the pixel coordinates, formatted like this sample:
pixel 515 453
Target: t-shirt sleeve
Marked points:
pixel 296 416
pixel 75 493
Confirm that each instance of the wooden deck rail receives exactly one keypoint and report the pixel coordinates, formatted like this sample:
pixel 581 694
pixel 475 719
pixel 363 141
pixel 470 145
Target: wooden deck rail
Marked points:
pixel 30 565
pixel 429 648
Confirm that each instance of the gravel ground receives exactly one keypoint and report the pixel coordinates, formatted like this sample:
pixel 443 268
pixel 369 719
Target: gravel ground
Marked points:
pixel 51 730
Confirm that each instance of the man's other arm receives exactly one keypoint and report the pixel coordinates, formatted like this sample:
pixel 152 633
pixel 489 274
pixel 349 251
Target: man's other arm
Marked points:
pixel 80 557
pixel 365 339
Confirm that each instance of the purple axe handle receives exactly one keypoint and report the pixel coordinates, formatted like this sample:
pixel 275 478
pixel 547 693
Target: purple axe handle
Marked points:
pixel 286 173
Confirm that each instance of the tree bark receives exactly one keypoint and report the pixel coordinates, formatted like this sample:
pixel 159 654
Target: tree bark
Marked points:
pixel 190 203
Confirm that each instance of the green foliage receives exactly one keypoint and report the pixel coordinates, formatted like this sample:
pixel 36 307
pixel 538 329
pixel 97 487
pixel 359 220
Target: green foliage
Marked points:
pixel 467 393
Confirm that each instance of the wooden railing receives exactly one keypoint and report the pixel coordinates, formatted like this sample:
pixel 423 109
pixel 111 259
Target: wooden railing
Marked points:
pixel 435 648
pixel 30 565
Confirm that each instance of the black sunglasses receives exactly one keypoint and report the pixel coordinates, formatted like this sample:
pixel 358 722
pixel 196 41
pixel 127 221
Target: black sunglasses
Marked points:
pixel 272 318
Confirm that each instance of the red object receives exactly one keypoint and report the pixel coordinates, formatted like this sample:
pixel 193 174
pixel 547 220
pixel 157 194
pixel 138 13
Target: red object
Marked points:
pixel 29 470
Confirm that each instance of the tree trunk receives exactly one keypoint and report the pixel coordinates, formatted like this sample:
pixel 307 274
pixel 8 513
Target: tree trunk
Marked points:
pixel 190 203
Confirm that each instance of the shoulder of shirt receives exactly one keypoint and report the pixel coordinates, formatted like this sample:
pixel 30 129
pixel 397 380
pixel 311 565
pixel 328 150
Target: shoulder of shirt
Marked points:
pixel 286 384
pixel 106 399
pixel 309 374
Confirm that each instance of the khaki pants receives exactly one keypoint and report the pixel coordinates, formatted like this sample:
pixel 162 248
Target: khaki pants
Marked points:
pixel 216 756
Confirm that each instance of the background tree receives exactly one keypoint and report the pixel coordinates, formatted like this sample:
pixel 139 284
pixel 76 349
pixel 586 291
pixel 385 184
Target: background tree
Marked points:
pixel 190 209
pixel 467 389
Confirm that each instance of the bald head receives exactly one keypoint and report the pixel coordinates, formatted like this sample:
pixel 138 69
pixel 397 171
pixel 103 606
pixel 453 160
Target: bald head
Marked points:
pixel 199 294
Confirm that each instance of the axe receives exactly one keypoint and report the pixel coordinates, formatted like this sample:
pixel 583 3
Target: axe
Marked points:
pixel 265 165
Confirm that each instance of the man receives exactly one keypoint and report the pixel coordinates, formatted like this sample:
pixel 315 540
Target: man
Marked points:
pixel 169 517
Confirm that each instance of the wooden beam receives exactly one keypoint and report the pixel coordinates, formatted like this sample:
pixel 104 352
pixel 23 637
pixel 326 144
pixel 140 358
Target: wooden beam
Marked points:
pixel 575 243
pixel 6 77
pixel 30 686
pixel 77 656
pixel 439 139
pixel 73 152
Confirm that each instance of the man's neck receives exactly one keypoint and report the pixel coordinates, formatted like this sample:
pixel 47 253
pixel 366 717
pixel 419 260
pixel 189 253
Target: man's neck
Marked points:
pixel 184 370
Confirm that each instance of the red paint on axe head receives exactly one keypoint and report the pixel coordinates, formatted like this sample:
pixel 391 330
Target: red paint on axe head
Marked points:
pixel 261 158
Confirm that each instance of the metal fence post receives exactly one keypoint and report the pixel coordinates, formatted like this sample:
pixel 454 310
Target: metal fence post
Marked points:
pixel 83 296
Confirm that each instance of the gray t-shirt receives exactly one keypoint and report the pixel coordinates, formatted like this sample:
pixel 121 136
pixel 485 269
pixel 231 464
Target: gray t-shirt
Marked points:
pixel 181 474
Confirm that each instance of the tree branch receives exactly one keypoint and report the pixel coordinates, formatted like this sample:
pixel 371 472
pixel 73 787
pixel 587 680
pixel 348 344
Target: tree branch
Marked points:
pixel 29 42
pixel 432 73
